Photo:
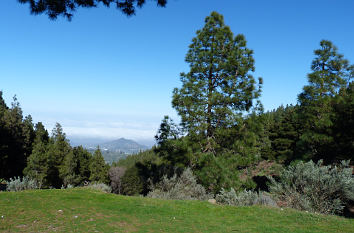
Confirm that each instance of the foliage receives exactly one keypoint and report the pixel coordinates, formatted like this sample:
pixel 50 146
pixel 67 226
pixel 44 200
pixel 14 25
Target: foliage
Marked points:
pixel 343 124
pixel 18 184
pixel 66 8
pixel 330 74
pixel 284 131
pixel 100 186
pixel 217 172
pixel 132 182
pixel 244 198
pixel 115 175
pixel 313 187
pixel 172 148
pixel 144 167
pixel 183 187
pixel 215 139
pixel 58 149
pixel 98 168
pixel 38 162
pixel 75 168
pixel 16 138
pixel 219 85
pixel 131 160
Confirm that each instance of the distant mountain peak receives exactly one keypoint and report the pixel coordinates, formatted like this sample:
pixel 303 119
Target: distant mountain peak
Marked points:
pixel 124 145
pixel 111 150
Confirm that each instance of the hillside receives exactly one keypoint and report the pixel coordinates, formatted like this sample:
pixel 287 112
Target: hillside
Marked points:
pixel 123 145
pixel 83 210
pixel 110 156
pixel 112 151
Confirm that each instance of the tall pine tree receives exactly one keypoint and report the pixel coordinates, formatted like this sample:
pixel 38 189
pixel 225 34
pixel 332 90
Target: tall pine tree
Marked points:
pixel 16 138
pixel 98 168
pixel 219 84
pixel 330 74
pixel 38 163
pixel 59 148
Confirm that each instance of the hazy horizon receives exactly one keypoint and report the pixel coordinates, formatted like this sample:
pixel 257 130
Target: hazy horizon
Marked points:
pixel 94 141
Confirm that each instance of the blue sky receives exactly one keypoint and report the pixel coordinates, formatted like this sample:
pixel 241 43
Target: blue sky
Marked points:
pixel 107 75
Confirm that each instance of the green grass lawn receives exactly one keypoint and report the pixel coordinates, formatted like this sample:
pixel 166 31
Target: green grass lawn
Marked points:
pixel 85 210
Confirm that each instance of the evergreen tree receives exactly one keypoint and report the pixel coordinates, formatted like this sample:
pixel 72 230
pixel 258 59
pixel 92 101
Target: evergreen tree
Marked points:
pixel 59 148
pixel 284 133
pixel 174 149
pixel 38 163
pixel 16 138
pixel 75 169
pixel 28 135
pixel 331 73
pixel 219 85
pixel 98 168
pixel 4 136
pixel 343 127
pixel 132 183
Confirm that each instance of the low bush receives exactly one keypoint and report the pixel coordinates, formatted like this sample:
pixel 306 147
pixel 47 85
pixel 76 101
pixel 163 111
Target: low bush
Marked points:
pixel 100 186
pixel 3 184
pixel 183 187
pixel 69 186
pixel 244 198
pixel 18 184
pixel 314 187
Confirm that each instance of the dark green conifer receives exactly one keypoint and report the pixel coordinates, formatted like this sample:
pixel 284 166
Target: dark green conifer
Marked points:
pixel 76 167
pixel 16 138
pixel 98 168
pixel 219 85
pixel 330 74
pixel 59 148
pixel 38 163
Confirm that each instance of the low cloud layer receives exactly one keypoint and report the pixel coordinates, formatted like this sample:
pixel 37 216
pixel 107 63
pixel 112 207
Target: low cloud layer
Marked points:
pixel 139 128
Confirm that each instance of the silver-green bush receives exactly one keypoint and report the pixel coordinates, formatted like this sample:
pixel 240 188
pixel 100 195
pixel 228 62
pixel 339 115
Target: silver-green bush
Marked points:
pixel 100 186
pixel 183 187
pixel 314 187
pixel 18 184
pixel 244 198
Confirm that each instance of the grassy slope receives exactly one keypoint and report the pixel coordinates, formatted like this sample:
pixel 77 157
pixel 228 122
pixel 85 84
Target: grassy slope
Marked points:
pixel 37 211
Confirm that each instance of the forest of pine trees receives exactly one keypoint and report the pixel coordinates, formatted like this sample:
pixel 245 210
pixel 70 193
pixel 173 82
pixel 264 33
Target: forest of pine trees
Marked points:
pixel 28 150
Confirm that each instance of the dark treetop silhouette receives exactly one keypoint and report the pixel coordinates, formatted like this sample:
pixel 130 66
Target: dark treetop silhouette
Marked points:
pixel 66 8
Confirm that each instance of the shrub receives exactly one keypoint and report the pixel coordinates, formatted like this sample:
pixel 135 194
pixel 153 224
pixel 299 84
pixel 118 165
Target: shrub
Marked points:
pixel 215 173
pixel 314 187
pixel 18 184
pixel 69 186
pixel 183 187
pixel 266 199
pixel 3 184
pixel 115 176
pixel 244 198
pixel 101 187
